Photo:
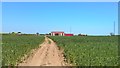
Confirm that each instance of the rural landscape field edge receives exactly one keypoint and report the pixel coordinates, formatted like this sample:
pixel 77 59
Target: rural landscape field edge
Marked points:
pixel 0 34
pixel 119 32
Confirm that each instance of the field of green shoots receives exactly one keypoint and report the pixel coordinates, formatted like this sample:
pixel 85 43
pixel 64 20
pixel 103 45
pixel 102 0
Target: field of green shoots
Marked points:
pixel 89 50
pixel 14 47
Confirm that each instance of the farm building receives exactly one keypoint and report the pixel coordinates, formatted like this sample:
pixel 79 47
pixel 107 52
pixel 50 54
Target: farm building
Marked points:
pixel 57 33
pixel 60 33
pixel 68 34
pixel 82 34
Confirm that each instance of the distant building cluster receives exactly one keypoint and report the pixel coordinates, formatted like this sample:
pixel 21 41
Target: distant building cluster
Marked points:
pixel 82 34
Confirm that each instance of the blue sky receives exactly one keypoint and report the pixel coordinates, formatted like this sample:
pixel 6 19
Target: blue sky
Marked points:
pixel 93 18
pixel 60 0
pixel 0 17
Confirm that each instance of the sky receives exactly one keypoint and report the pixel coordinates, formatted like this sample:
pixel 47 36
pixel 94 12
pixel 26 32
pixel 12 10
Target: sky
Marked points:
pixel 0 17
pixel 92 18
pixel 60 0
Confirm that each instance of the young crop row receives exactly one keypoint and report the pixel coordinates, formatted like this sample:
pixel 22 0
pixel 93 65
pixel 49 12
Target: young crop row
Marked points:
pixel 89 51
pixel 15 47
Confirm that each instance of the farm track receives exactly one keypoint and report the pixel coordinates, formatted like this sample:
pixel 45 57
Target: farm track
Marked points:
pixel 47 55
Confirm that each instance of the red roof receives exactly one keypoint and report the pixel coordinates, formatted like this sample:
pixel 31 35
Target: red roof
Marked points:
pixel 57 32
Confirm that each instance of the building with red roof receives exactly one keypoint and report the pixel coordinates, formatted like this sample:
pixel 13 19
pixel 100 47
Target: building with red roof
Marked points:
pixel 57 33
pixel 68 34
pixel 60 33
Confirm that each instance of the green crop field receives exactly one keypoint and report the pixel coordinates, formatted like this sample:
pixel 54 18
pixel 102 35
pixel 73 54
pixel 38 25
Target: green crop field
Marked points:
pixel 14 47
pixel 78 50
pixel 89 50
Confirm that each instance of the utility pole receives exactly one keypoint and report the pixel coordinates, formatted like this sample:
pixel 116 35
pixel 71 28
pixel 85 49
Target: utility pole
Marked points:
pixel 70 30
pixel 114 27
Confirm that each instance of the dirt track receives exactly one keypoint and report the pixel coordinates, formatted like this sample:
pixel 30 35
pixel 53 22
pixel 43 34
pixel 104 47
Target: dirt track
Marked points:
pixel 47 55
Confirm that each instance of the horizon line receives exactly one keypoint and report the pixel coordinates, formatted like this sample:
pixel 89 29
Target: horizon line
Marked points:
pixel 66 33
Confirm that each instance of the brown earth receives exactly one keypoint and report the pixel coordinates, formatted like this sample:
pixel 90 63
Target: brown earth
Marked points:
pixel 47 55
